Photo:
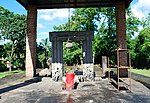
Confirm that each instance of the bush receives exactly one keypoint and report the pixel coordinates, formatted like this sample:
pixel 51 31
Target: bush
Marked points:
pixel 3 67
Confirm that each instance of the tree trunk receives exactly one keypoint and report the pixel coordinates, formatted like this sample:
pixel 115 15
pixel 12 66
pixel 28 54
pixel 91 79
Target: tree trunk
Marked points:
pixel 10 68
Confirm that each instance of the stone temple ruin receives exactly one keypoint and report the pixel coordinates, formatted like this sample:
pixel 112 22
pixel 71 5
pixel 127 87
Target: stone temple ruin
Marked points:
pixel 33 5
pixel 57 39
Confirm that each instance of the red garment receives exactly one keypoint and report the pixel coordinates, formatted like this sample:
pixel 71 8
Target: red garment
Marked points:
pixel 70 80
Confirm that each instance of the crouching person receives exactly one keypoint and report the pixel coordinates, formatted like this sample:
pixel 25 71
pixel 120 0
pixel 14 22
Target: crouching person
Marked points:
pixel 71 81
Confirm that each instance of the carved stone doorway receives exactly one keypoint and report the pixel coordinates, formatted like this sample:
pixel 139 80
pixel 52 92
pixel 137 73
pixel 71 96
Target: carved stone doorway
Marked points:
pixel 57 39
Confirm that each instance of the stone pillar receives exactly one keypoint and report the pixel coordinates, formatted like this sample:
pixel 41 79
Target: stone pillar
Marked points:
pixel 31 40
pixel 121 34
pixel 57 60
pixel 87 59
pixel 104 64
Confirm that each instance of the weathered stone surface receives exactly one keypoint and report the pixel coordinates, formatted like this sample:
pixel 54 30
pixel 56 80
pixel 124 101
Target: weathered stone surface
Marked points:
pixel 88 72
pixel 102 91
pixel 104 64
pixel 49 63
pixel 57 39
pixel 45 72
pixel 56 71
pixel 121 34
pixel 31 41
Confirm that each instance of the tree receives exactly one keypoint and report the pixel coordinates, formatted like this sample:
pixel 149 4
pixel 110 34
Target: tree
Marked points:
pixel 134 43
pixel 81 20
pixel 103 22
pixel 88 19
pixel 105 35
pixel 72 55
pixel 133 23
pixel 146 21
pixel 13 28
pixel 142 49
pixel 47 48
pixel 44 52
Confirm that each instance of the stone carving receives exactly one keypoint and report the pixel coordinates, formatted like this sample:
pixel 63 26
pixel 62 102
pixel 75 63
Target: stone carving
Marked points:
pixel 57 39
pixel 49 63
pixel 88 72
pixel 45 72
pixel 56 71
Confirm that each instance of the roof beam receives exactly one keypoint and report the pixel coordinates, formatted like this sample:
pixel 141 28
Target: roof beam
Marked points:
pixel 50 4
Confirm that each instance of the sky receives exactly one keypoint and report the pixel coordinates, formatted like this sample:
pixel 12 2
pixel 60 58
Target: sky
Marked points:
pixel 54 17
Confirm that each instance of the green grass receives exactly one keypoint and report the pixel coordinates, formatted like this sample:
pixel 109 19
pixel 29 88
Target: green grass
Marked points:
pixel 145 72
pixel 4 74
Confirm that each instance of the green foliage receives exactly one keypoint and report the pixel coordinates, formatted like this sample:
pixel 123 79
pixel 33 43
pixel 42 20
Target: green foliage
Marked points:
pixel 81 20
pixel 105 38
pixel 72 55
pixel 142 49
pixel 146 21
pixel 1 50
pixel 13 29
pixel 42 59
pixel 101 20
pixel 43 53
pixel 133 23
pixel 88 19
pixel 2 66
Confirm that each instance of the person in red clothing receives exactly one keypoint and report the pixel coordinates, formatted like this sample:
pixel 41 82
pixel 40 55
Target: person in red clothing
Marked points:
pixel 70 77
pixel 70 80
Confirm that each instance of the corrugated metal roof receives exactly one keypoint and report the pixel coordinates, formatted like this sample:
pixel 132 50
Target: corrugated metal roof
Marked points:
pixel 49 4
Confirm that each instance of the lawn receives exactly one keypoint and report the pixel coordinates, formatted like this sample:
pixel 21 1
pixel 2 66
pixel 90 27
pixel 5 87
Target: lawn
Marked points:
pixel 145 72
pixel 4 74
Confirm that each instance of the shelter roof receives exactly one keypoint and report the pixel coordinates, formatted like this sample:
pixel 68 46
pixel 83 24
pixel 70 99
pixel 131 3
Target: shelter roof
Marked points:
pixel 50 4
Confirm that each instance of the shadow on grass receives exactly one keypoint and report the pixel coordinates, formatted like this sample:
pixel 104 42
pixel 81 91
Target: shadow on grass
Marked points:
pixel 25 83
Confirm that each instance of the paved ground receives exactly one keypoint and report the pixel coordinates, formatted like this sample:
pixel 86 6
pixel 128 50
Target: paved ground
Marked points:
pixel 48 91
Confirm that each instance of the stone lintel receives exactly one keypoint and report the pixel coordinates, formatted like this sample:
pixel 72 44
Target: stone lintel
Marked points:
pixel 70 34
pixel 72 38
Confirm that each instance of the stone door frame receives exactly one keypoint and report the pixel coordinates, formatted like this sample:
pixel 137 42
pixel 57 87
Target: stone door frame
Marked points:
pixel 57 39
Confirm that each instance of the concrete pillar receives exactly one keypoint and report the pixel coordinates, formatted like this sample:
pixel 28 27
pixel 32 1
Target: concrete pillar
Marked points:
pixel 121 34
pixel 87 59
pixel 31 41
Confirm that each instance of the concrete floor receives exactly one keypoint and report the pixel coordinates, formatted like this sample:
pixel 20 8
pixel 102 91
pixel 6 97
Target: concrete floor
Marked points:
pixel 48 91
